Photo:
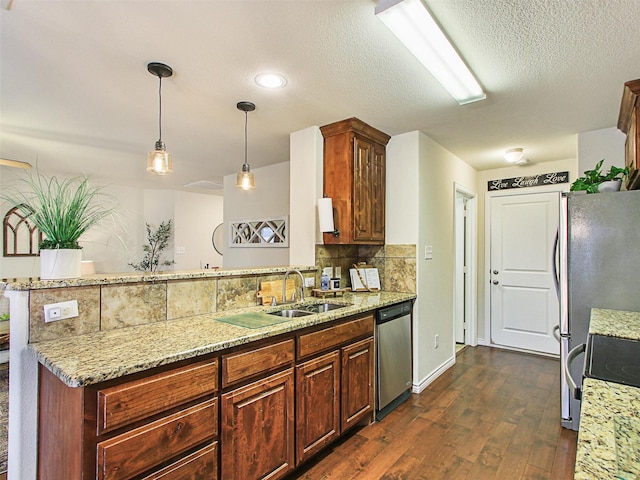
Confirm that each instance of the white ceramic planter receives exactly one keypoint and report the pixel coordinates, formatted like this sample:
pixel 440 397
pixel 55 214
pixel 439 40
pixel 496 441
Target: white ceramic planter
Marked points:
pixel 610 186
pixel 60 263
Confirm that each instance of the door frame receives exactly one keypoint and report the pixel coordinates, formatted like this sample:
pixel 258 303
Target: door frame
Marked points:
pixel 471 278
pixel 487 248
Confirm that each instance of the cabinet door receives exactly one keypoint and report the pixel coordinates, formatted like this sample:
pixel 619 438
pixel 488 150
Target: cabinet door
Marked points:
pixel 357 382
pixel 317 404
pixel 257 440
pixel 362 153
pixel 377 194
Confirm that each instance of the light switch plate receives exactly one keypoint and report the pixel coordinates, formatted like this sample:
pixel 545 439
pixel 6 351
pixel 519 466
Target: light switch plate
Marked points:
pixel 60 311
pixel 309 282
pixel 428 252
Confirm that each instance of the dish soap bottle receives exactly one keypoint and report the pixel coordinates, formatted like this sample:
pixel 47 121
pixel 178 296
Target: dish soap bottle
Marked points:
pixel 324 281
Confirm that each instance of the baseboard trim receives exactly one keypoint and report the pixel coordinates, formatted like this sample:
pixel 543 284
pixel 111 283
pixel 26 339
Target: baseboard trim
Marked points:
pixel 433 376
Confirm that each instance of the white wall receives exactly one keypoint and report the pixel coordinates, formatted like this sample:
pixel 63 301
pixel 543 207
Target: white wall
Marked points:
pixel 305 187
pixel 420 209
pixel 269 199
pixel 593 146
pixel 196 216
pixel 440 170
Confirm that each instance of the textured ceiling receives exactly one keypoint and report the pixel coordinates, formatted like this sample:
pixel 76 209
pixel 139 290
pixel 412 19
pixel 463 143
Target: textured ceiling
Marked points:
pixel 75 93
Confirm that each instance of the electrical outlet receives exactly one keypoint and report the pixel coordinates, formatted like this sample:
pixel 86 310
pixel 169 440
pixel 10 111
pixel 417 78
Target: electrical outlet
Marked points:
pixel 60 310
pixel 436 341
pixel 309 282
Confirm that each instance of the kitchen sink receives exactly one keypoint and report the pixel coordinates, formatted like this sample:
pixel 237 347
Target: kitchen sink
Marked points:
pixel 291 313
pixel 324 307
pixel 304 310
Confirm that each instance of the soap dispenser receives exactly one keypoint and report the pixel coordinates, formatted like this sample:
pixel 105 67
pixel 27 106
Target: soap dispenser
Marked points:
pixel 324 281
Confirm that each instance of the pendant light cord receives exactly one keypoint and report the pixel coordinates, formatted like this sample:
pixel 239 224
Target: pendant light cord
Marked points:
pixel 245 138
pixel 160 108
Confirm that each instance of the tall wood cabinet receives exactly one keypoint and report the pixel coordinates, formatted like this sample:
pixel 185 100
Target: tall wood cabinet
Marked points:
pixel 628 124
pixel 354 178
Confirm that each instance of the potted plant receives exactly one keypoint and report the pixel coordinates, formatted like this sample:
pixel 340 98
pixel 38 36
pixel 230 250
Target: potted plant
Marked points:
pixel 62 210
pixel 158 241
pixel 595 181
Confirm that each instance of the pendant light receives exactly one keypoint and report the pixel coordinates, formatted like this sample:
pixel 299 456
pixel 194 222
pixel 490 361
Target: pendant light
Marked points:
pixel 159 160
pixel 245 177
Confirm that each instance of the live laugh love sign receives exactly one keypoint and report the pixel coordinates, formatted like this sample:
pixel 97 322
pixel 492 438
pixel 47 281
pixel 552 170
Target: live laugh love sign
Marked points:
pixel 532 181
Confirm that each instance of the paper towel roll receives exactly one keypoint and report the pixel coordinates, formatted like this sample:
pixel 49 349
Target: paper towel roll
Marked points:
pixel 325 215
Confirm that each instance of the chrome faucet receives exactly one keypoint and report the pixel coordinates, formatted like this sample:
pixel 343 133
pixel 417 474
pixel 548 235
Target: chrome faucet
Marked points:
pixel 284 286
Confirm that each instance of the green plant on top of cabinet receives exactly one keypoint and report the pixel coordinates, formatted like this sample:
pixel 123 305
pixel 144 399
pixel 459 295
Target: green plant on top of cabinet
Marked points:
pixel 354 178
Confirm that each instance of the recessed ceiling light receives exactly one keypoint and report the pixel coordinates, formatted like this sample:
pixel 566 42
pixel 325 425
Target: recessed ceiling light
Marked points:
pixel 271 80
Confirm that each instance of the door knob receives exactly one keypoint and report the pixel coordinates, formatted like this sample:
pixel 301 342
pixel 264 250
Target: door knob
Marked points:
pixel 495 272
pixel 495 282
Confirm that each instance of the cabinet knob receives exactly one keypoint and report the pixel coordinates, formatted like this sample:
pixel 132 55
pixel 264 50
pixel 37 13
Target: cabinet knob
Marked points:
pixel 495 272
pixel 495 282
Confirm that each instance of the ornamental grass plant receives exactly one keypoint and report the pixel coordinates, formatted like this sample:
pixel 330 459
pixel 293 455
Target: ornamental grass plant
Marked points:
pixel 61 209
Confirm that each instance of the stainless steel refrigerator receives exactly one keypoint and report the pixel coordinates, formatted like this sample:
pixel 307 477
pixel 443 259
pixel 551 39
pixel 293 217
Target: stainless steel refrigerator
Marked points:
pixel 599 267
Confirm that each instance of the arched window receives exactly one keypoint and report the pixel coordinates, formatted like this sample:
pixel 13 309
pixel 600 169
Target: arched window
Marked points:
pixel 20 237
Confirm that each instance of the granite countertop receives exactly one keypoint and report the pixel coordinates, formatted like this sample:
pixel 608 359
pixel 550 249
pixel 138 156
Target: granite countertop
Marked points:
pixel 136 277
pixel 88 359
pixel 610 412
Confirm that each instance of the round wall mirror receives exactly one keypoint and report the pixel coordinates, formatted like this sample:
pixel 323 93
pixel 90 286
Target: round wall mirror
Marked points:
pixel 217 238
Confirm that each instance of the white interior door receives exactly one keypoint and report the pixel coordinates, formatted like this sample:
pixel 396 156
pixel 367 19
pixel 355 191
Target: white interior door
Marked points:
pixel 524 304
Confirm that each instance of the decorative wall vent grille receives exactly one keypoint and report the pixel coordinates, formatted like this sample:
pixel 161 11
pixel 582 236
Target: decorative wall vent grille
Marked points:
pixel 270 232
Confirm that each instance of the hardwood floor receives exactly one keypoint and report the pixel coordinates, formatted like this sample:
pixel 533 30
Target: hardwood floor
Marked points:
pixel 494 415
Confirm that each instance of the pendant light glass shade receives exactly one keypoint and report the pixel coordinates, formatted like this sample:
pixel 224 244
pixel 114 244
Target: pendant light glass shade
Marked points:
pixel 159 161
pixel 244 179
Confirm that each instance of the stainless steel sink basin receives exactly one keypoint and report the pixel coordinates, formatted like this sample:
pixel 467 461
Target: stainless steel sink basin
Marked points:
pixel 325 307
pixel 291 313
pixel 303 310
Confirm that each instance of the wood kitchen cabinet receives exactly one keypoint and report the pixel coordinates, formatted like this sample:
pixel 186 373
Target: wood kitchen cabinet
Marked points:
pixel 318 404
pixel 334 391
pixel 257 419
pixel 354 178
pixel 159 424
pixel 628 124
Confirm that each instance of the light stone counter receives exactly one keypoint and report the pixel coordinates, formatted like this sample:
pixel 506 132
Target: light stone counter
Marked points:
pixel 92 358
pixel 138 277
pixel 605 403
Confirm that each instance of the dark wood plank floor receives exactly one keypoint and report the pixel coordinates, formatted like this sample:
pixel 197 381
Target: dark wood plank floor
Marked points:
pixel 494 415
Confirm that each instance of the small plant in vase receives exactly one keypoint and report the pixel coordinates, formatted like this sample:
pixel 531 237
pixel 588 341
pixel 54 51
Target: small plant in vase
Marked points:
pixel 62 210
pixel 157 242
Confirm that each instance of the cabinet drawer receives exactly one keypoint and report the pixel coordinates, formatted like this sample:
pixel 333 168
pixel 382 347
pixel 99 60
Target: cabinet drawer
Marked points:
pixel 139 450
pixel 242 365
pixel 124 404
pixel 200 464
pixel 328 338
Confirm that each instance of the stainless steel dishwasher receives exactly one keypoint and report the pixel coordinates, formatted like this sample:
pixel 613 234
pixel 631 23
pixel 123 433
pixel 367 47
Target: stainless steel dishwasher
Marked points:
pixel 393 365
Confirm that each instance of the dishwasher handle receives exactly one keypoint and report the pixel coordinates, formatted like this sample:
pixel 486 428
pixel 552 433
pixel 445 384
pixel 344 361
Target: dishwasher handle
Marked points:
pixel 573 353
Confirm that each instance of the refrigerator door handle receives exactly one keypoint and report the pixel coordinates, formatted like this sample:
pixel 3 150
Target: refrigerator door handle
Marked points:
pixel 573 353
pixel 556 333
pixel 554 263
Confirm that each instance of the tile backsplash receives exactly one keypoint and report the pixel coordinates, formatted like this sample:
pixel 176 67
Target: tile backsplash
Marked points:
pixel 396 264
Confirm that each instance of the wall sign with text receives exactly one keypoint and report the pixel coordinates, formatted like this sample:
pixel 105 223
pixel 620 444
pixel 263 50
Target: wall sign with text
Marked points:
pixel 532 181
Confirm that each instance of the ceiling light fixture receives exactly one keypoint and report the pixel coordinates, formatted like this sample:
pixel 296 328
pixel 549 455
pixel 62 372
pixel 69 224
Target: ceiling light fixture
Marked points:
pixel 159 160
pixel 411 22
pixel 245 179
pixel 271 80
pixel 515 156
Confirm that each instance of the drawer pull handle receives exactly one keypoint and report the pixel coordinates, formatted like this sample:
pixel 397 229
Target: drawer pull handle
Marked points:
pixel 178 428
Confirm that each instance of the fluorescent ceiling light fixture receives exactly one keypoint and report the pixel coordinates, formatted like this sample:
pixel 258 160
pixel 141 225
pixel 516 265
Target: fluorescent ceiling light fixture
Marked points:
pixel 411 22
pixel 271 80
